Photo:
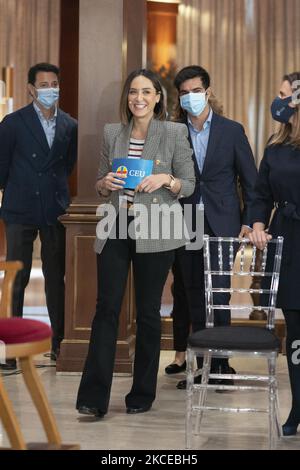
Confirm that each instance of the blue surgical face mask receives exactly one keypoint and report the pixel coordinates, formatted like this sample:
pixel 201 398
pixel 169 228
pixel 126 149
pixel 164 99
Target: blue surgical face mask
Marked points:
pixel 47 97
pixel 193 103
pixel 281 111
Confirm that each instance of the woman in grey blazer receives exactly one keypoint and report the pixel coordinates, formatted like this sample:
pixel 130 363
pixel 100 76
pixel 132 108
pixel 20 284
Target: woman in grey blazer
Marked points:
pixel 153 229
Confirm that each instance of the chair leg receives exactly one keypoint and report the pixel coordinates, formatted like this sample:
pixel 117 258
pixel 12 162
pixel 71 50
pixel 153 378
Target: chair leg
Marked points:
pixel 190 357
pixel 272 404
pixel 277 414
pixel 9 420
pixel 203 391
pixel 40 400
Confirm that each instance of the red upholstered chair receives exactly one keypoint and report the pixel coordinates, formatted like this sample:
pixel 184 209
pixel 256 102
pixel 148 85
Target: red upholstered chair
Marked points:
pixel 23 339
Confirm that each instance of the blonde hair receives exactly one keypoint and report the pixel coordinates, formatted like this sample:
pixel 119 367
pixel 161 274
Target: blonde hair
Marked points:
pixel 215 104
pixel 289 134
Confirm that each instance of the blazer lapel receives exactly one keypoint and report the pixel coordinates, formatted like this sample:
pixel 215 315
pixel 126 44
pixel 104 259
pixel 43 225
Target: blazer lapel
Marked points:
pixel 197 171
pixel 60 129
pixel 34 125
pixel 215 136
pixel 152 140
pixel 60 132
pixel 122 142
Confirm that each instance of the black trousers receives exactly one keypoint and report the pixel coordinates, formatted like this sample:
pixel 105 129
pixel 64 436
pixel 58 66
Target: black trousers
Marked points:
pixel 189 296
pixel 20 240
pixel 150 272
pixel 292 319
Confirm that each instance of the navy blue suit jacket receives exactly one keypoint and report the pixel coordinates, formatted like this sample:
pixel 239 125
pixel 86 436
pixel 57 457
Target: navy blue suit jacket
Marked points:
pixel 33 176
pixel 228 157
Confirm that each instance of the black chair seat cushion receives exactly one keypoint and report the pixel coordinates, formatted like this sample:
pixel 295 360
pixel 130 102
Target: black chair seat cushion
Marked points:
pixel 251 338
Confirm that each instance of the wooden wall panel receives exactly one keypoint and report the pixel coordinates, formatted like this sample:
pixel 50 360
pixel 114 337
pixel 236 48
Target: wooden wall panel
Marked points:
pixel 161 32
pixel 69 63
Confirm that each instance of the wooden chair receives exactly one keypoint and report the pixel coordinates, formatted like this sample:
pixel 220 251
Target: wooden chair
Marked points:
pixel 23 339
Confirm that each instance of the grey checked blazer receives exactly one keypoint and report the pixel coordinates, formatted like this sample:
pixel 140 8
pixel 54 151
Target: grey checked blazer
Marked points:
pixel 167 145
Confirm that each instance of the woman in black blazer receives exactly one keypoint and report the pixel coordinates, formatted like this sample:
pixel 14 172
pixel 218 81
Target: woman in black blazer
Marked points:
pixel 278 187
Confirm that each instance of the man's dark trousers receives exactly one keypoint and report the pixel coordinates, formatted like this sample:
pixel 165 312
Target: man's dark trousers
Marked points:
pixel 20 240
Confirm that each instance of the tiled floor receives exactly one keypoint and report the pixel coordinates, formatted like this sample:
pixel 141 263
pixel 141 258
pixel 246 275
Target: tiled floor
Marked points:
pixel 160 428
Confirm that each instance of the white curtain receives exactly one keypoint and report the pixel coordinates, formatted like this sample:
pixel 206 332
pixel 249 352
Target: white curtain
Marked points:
pixel 29 33
pixel 246 46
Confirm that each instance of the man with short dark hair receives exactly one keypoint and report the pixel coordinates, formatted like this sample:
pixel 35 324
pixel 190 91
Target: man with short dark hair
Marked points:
pixel 38 150
pixel 222 156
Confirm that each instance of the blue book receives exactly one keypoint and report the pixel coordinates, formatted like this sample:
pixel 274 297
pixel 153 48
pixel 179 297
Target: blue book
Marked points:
pixel 135 170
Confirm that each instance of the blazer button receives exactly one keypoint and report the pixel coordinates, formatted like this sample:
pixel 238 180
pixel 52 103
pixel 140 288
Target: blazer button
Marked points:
pixel 37 193
pixel 54 175
pixel 155 199
pixel 40 174
pixel 34 155
pixel 61 157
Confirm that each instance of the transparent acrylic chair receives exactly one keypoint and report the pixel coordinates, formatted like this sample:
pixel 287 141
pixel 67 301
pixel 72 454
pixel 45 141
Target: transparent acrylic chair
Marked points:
pixel 221 268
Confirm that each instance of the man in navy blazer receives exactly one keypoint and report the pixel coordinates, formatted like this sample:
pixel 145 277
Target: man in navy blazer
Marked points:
pixel 222 158
pixel 38 150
